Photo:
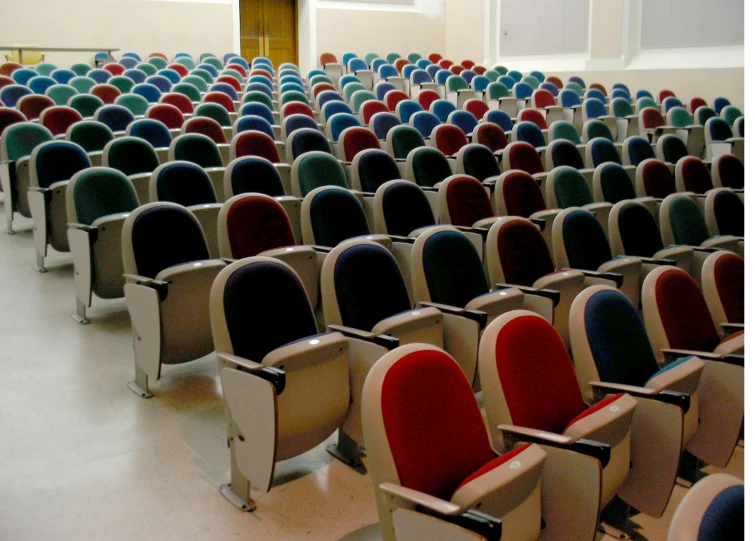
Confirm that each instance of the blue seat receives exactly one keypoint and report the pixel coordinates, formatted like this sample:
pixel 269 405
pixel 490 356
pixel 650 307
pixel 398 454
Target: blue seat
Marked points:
pixel 381 124
pixel 240 61
pixel 148 91
pixel 226 89
pixel 376 63
pixel 290 87
pixel 420 76
pixel 226 57
pixel 522 91
pixel 10 94
pixel 442 108
pixel 258 109
pixel 638 149
pixel 209 68
pixel 550 87
pixel 133 55
pixel 468 75
pixel 569 98
pixel 407 70
pixel 479 83
pixel 594 108
pixel 578 80
pixel 62 76
pixel 138 76
pixel 23 75
pixel 41 83
pixel 115 117
pixel 529 133
pixel 335 107
pixel 441 76
pixel 382 89
pixel 254 123
pixel 423 63
pixel 340 122
pixel 643 94
pixel 259 87
pixel 386 71
pixel 406 109
pixel 128 62
pixel 433 70
pixel 601 150
pixel 327 96
pixel 152 131
pixel 499 118
pixel 261 80
pixel 516 75
pixel 162 83
pixel 314 72
pixel 596 94
pixel 295 122
pixel 464 120
pixel 507 80
pixel 346 58
pixel 357 64
pixel 425 122
pixel 262 60
pixel 171 75
pixel 718 104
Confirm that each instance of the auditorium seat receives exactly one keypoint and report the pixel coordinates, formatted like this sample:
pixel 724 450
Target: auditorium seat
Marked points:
pixel 58 119
pixel 724 213
pixel 720 140
pixel 427 166
pixel 32 105
pixel 727 171
pixel 314 170
pixel 682 222
pixel 61 93
pixel 305 140
pixel 138 105
pixel 134 157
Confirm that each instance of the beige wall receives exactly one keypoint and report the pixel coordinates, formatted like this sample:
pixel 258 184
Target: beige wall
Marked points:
pixel 141 26
pixel 465 36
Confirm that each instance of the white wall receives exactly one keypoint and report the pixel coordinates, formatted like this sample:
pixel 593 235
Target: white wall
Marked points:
pixel 141 26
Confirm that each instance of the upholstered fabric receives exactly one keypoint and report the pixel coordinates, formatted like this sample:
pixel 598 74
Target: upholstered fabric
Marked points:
pixel 382 122
pixel 687 222
pixel 254 123
pixel 442 108
pixel 529 132
pixel 342 121
pixel 729 280
pixel 532 361
pixel 478 108
pixel 405 208
pixel 430 167
pixel 256 97
pixel 31 106
pixel 165 236
pixel 617 339
pixel 256 224
pixel 115 117
pixel 152 131
pixel 496 91
pixel 565 130
pixel 571 188
pixel 493 464
pixel 730 213
pixel 679 117
pixel 426 98
pixel 595 408
pixel 8 117
pixel 603 150
pixel 598 128
pixel 594 108
pixel 534 116
pixel 638 230
pixel 406 108
pixel 101 192
pixel 522 195
pixel 179 100
pixel 724 518
pixel 85 104
pixel 369 286
pixel 406 138
pixel 134 103
pixel 479 162
pixel 184 183
pixel 358 139
pixel 319 170
pixel 565 152
pixel 256 144
pixel 657 179
pixel 453 270
pixel 569 98
pixel 492 136
pixel 254 174
pixel 467 201
pixel 684 314
pixel 621 107
pixel 59 161
pixel 91 136
pixel 198 149
pixel 651 117
pixel 639 149
pixel 673 148
pixel 131 155
pixel 436 444
pixel 524 254
pixel 375 168
pixel 337 215
pixel 696 176
pixel 294 122
pixel 616 184
pixel 731 171
pixel 168 114
pixel 20 139
pixel 524 156
pixel 287 316
pixel 585 243
pixel 308 140
pixel 215 111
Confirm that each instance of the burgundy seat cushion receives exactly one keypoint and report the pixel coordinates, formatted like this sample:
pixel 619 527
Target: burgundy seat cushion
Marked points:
pixel 256 224
pixel 257 144
pixel 524 253
pixel 729 274
pixel 467 201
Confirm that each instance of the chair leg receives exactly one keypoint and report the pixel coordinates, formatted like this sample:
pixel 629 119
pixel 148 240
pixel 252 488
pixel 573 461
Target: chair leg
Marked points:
pixel 614 520
pixel 237 491
pixel 9 220
pixel 39 266
pixel 346 450
pixel 140 385
pixel 80 316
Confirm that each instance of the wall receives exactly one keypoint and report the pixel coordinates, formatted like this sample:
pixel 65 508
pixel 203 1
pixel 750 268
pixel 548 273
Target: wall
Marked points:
pixel 141 26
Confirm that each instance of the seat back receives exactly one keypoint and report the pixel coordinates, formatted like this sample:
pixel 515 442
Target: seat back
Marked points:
pixel 561 129
pixel 518 194
pixel 339 122
pixel 331 214
pixel 252 223
pixel 54 161
pixel 500 118
pixel 354 140
pixel 8 117
pixel 169 115
pixel 600 150
pixel 33 105
pixel 196 148
pixel 115 117
pixel 633 230
pixel 566 187
pixel 424 122
pixel 130 155
pixel 682 221
pixel 426 98
pixel 60 93
pixel 670 148
pixel 723 285
pixel 529 132
pixel 719 104
pixel 516 252
pixel 692 175
pixel 254 143
pixel 594 108
pixel 478 108
pixel 442 108
pixel 427 166
pixel 371 168
pixel 448 139
pixel 382 122
pixel 20 139
pixel 728 172
pixel 563 152
pixel 252 174
pixel 651 118
pixel 712 509
pixel 401 207
pixel 314 170
pixel 406 108
pixel 181 182
pixel 637 149
pixel 477 161
pixel 521 155
pixel 99 191
pixel 152 131
pixel 579 241
pixel 725 213
pixel 611 183
pixel 490 135
pixel 716 129
pixel 11 94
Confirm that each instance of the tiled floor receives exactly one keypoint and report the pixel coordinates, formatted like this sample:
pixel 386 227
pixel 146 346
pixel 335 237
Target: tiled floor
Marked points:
pixel 82 458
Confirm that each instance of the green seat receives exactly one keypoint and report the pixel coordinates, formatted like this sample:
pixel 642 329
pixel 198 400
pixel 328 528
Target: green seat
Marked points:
pixel 159 63
pixel 131 156
pixel 621 107
pixel 404 139
pixel 350 89
pixel 358 98
pixel 730 114
pixel 204 56
pixel 19 140
pixel 429 166
pixel 562 129
pixel 206 75
pixel 45 68
pixel 679 117
pixel 646 102
pixel 90 135
pixel 196 81
pixel 100 192
pixel 82 84
pixel 258 97
pixel 571 188
pixel 501 70
pixel 85 104
pixel 81 69
pixel 135 103
pixel 534 82
pixel 318 169
pixel 233 73
pixel 456 83
pixel 317 79
pixel 392 57
pixel 198 149
pixel 288 97
pixel 597 128
pixel 60 94
pixel 214 111
pixel 492 75
pixel 186 61
pixel 288 66
pixel 702 114
pixel 413 58
pixel 147 68
pixel 496 91
pixel 687 222
pixel 214 61
pixel 369 57
pixel 122 83
pixel 188 90
pixel 575 88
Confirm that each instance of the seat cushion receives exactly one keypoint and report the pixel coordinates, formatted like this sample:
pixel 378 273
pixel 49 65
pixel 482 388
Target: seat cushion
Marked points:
pixel 595 407
pixel 256 224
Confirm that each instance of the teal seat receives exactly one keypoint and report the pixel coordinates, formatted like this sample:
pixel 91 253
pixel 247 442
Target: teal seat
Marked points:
pixel 188 90
pixel 214 111
pixel 138 105
pixel 81 69
pixel 317 169
pixel 197 81
pixel 122 83
pixel 85 104
pixel 60 94
pixel 90 135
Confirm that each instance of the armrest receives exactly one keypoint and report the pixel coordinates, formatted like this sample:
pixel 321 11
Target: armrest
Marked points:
pixel 651 261
pixel 539 222
pixel 475 315
pixel 731 328
pixel 595 449
pixel 613 276
pixel 551 294
pixel 398 238
pixel 160 286
pixel 383 340
pixel 276 376
pixel 469 519
pixel 478 230
pixel 321 249
pixel 673 354
pixel 428 189
pixel 670 397
pixel 38 189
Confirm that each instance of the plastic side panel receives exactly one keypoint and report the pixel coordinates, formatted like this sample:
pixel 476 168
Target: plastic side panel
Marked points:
pixel 362 355
pixel 39 215
pixel 216 175
pixel 141 185
pixel 252 404
pixel 721 393
pixel 304 262
pixel 403 253
pixel 285 172
pixel 22 186
pixel 107 262
pixel 144 308
pixel 411 525
pixel 78 240
pixel 656 440
pixel 57 217
pixel 293 210
pixel 478 241
pixel 461 338
pixel 571 495
pixel 208 219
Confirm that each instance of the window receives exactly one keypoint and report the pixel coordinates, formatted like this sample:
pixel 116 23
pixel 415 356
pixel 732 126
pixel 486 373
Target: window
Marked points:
pixel 691 23
pixel 543 27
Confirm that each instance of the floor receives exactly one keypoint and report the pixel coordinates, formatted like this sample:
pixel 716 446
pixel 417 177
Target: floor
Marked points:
pixel 83 458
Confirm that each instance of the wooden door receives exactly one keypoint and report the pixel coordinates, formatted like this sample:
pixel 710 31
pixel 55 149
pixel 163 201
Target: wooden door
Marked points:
pixel 269 28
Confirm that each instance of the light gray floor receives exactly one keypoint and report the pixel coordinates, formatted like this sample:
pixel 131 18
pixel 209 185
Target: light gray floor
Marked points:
pixel 82 458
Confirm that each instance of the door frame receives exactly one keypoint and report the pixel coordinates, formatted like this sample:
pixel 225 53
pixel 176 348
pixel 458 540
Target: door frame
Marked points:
pixel 306 12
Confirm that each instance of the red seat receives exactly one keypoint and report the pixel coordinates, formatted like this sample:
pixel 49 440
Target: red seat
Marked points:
pixel 491 135
pixel 534 116
pixel 9 67
pixel 434 58
pixel 220 98
pixel 479 70
pixel 665 94
pixel 655 179
pixel 322 87
pixel 723 285
pixel 477 107
pixel 256 223
pixel 205 126
pixel 254 143
pixel 542 98
pixel 5 81
pixel 115 69
pixel 456 69
pixel 107 93
pixel 467 64
pixel 9 116
pixel 181 101
pixel 59 118
pixel 168 114
pixel 227 79
pixel 692 175
pixel 33 105
pixel 393 98
pixel 556 81
pixel 356 139
pixel 371 108
pixel 600 87
pixel 521 194
pixel 464 201
pixel 448 138
pixel 426 98
pixel 328 58
pixel 241 70
pixel 694 103
pixel 158 55
pixel 651 118
pixel 445 63
pixel 262 72
pixel 297 108
pixel 400 63
pixel 182 70
pixel 523 156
